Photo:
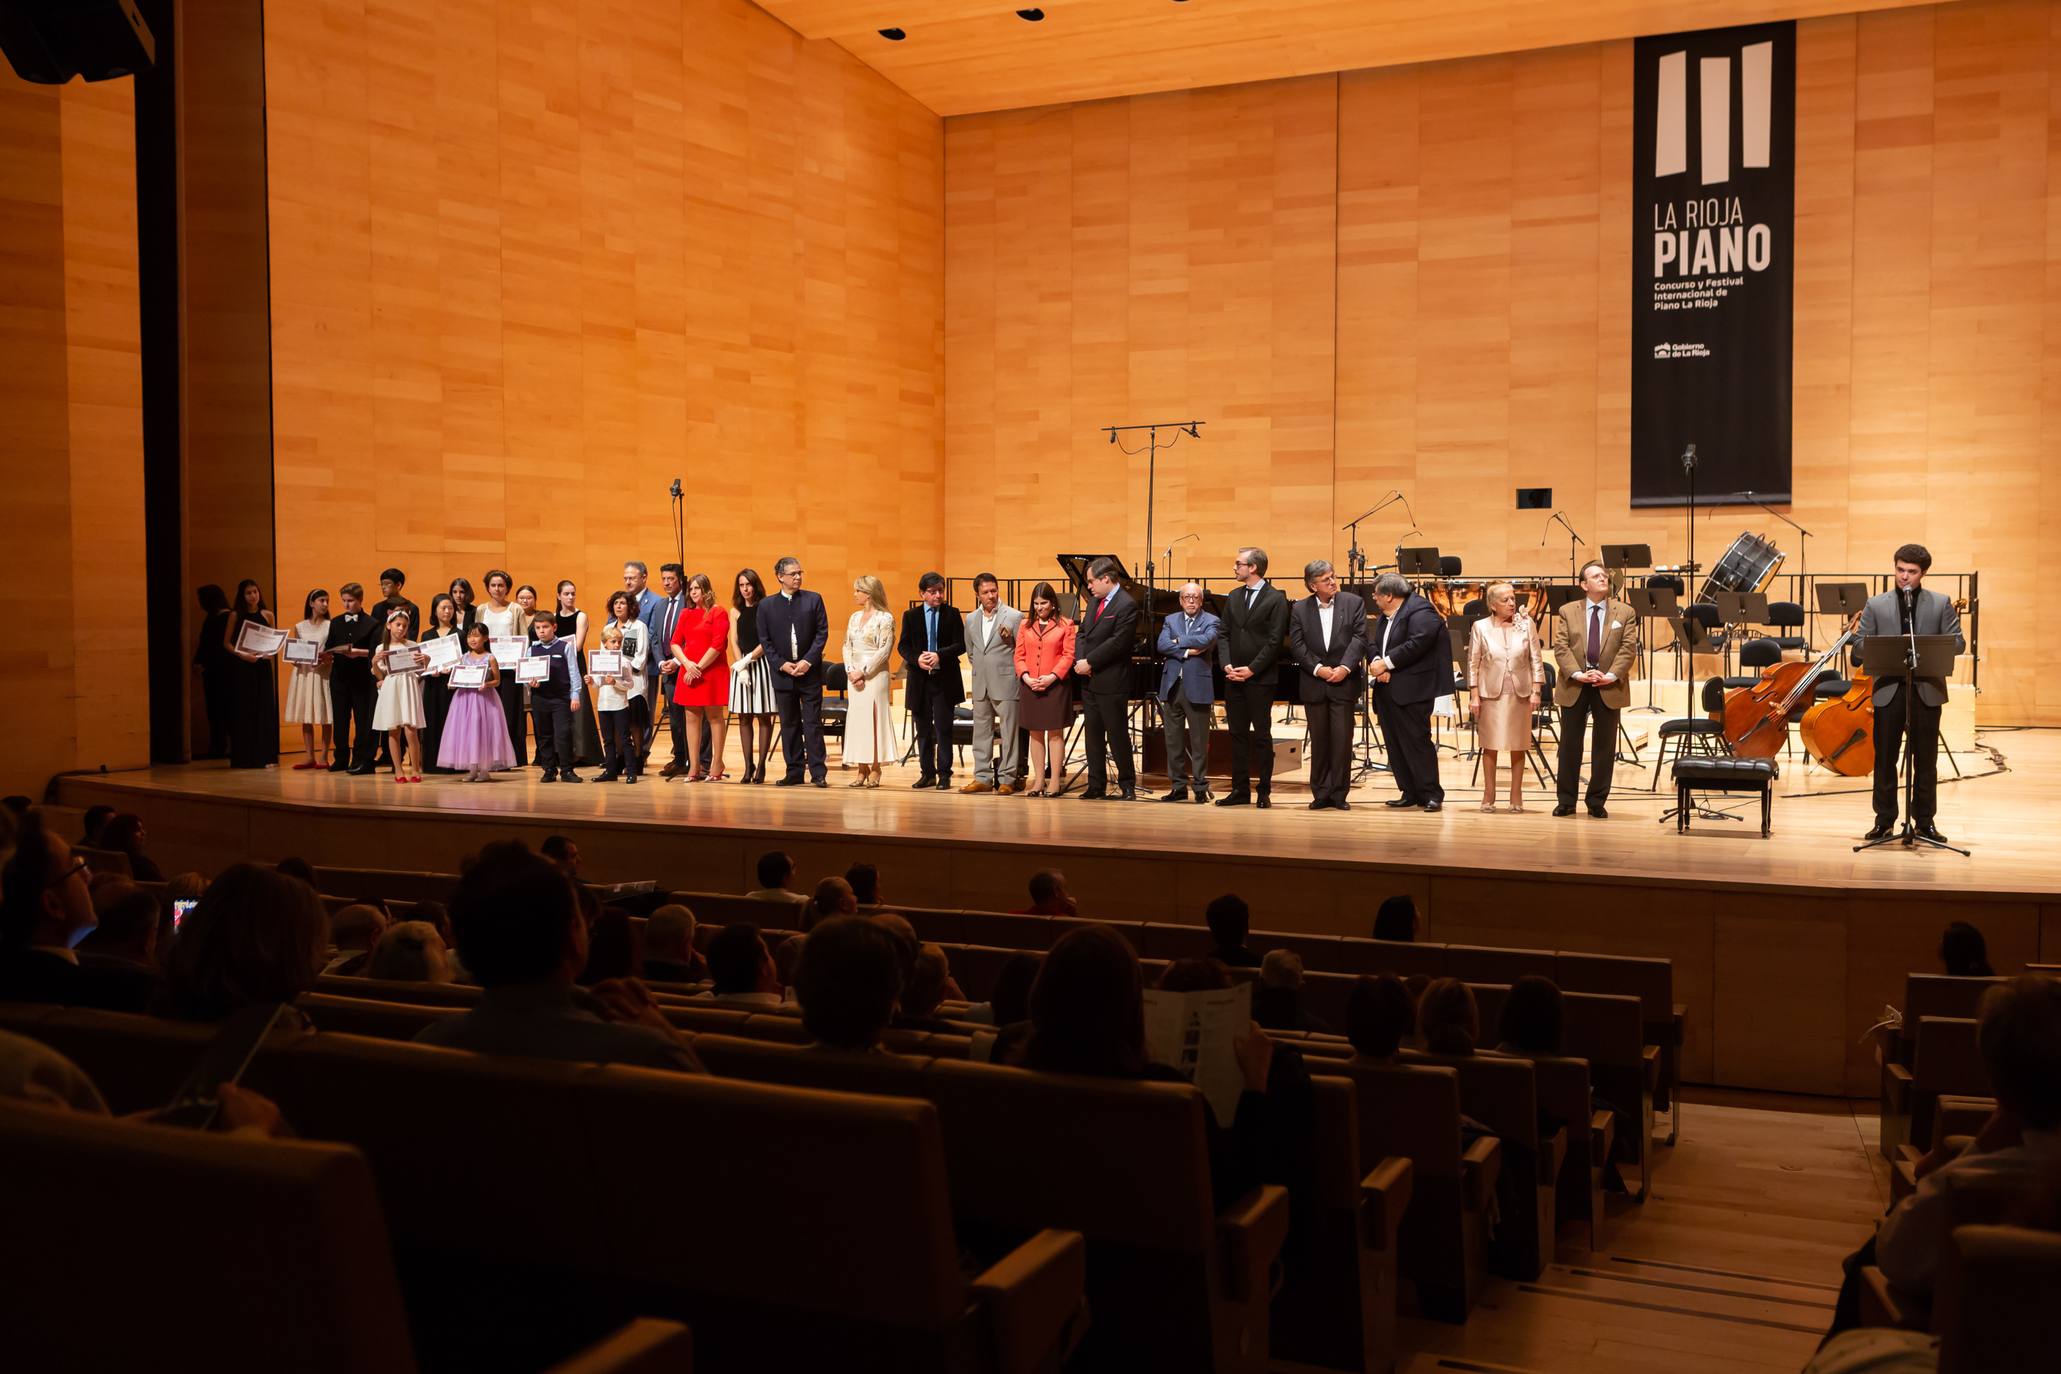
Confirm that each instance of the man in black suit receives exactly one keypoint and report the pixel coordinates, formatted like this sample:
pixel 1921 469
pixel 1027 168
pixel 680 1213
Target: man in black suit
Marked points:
pixel 352 637
pixel 1327 634
pixel 794 628
pixel 392 597
pixel 933 641
pixel 1102 651
pixel 1410 655
pixel 1255 618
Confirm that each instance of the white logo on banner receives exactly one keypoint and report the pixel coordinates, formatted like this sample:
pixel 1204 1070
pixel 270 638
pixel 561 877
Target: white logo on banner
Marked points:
pixel 1714 92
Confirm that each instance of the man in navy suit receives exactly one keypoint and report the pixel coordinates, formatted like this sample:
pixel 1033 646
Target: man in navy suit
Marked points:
pixel 1189 640
pixel 1410 655
pixel 1109 622
pixel 1327 636
pixel 933 641
pixel 794 628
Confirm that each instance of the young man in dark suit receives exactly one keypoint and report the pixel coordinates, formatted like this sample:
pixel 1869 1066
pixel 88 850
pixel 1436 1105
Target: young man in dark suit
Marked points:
pixel 933 641
pixel 352 637
pixel 1327 634
pixel 1255 618
pixel 1410 654
pixel 1108 628
pixel 794 627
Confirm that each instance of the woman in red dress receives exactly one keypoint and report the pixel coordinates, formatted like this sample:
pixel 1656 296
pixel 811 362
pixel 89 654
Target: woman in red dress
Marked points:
pixel 699 644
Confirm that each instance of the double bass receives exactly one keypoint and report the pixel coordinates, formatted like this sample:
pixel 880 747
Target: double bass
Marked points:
pixel 1757 717
pixel 1839 732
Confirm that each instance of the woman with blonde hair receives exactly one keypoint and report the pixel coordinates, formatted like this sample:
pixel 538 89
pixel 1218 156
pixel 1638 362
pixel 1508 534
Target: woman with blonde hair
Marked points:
pixel 869 721
pixel 1504 667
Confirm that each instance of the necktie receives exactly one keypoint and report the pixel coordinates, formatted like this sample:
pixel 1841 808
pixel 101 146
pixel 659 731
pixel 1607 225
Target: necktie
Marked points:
pixel 1595 632
pixel 930 625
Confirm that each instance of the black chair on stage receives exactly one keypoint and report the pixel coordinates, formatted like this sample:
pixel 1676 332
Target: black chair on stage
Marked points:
pixel 1786 619
pixel 1694 736
pixel 1709 633
pixel 1449 565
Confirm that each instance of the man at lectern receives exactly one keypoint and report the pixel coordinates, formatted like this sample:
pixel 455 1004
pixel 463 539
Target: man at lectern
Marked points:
pixel 1910 607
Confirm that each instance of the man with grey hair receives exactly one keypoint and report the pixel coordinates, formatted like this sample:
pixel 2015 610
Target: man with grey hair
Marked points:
pixel 1255 622
pixel 794 628
pixel 1188 639
pixel 1327 637
pixel 1411 660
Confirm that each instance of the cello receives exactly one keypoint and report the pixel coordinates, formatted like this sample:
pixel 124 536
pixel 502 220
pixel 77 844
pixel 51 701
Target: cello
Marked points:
pixel 1757 717
pixel 1839 732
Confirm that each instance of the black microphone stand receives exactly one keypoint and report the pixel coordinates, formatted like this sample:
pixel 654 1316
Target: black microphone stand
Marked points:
pixel 679 524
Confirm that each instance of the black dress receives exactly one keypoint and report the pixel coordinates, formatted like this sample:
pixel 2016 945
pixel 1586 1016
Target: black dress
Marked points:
pixel 586 734
pixel 436 704
pixel 253 707
pixel 215 664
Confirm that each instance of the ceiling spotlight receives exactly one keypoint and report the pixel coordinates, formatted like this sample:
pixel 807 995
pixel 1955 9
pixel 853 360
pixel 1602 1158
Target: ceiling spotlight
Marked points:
pixel 893 35
pixel 1031 16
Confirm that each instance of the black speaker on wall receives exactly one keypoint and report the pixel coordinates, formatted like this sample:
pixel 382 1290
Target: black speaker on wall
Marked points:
pixel 52 41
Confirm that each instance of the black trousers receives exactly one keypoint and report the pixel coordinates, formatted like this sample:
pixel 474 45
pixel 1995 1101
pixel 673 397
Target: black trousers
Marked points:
pixel 622 738
pixel 1107 715
pixel 1895 719
pixel 1588 715
pixel 1331 748
pixel 1406 733
pixel 510 692
pixel 214 690
pixel 1249 712
pixel 934 735
pixel 553 717
pixel 1187 739
pixel 801 727
pixel 351 696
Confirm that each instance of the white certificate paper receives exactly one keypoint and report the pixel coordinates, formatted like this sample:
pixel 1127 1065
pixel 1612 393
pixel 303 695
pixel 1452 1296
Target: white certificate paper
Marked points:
pixel 605 662
pixel 469 675
pixel 305 652
pixel 256 637
pixel 510 650
pixel 533 670
pixel 403 661
pixel 442 652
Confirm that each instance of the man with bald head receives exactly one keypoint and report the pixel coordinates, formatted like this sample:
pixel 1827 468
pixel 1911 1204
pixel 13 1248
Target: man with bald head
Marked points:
pixel 1188 639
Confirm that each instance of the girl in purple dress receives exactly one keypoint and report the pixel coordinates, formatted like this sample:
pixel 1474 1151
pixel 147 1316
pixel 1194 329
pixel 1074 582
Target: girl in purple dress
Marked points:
pixel 476 729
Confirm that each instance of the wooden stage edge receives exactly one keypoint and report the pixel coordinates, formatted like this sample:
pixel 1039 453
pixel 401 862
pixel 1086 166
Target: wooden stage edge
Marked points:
pixel 1785 949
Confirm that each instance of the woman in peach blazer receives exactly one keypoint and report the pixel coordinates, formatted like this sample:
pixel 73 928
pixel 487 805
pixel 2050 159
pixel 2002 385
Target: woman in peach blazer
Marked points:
pixel 1503 665
pixel 1044 664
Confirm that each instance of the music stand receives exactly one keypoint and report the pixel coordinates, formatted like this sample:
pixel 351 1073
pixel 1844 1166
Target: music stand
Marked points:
pixel 1650 604
pixel 1417 562
pixel 1627 557
pixel 1843 599
pixel 1908 657
pixel 1740 609
pixel 1558 594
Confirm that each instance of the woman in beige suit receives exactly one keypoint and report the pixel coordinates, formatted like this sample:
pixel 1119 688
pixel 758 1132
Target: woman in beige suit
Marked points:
pixel 1503 664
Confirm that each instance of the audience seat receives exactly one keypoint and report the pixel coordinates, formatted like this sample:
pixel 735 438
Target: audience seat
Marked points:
pixel 376 884
pixel 1502 1094
pixel 397 990
pixel 1945 1062
pixel 370 1015
pixel 1925 994
pixel 1994 1310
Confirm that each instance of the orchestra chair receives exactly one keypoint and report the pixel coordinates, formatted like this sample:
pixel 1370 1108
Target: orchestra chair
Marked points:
pixel 1785 618
pixel 1703 736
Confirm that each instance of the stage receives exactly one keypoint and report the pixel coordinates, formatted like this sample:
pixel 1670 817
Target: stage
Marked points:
pixel 1785 948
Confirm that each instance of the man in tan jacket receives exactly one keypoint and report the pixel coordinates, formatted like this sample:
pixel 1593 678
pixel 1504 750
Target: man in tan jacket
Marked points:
pixel 1595 643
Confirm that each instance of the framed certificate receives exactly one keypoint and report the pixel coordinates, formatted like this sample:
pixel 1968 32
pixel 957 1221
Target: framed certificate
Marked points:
pixel 509 650
pixel 256 637
pixel 533 670
pixel 408 660
pixel 442 652
pixel 605 662
pixel 305 652
pixel 469 675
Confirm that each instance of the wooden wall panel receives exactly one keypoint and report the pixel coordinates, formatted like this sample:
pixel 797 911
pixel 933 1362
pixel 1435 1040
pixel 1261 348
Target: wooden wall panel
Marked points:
pixel 1477 334
pixel 532 261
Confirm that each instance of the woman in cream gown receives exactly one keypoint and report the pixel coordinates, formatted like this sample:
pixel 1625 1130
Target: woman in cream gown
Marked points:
pixel 869 721
pixel 1503 666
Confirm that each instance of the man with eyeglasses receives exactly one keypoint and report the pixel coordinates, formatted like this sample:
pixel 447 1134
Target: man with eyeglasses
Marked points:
pixel 46 908
pixel 1255 618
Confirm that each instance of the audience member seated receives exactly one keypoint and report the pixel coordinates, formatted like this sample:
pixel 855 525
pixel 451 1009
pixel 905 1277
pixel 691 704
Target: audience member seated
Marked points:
pixel 30 1071
pixel 97 815
pixel 294 866
pixel 439 916
pixel 1229 920
pixel 832 897
pixel 1049 896
pixel 1396 918
pixel 1533 1014
pixel 255 937
pixel 124 836
pixel 2018 1034
pixel 865 881
pixel 848 981
pixel 930 975
pixel 776 871
pixel 669 953
pixel 612 949
pixel 1008 1003
pixel 1277 999
pixel 560 850
pixel 740 969
pixel 46 909
pixel 1448 1019
pixel 1963 953
pixel 786 959
pixel 123 944
pixel 410 952
pixel 1379 1016
pixel 523 938
pixel 354 933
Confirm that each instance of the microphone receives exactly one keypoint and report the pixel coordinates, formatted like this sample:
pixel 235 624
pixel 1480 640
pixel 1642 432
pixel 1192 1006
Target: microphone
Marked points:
pixel 675 492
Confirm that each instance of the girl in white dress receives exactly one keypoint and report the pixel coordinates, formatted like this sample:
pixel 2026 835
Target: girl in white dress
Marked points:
pixel 869 720
pixel 307 690
pixel 399 708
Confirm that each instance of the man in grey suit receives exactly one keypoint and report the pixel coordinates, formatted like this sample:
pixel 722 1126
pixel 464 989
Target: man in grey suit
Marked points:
pixel 991 665
pixel 1327 636
pixel 1189 641
pixel 1909 608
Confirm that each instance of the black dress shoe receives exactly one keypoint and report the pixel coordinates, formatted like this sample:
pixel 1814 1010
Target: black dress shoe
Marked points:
pixel 1435 804
pixel 629 777
pixel 364 772
pixel 1564 809
pixel 1235 799
pixel 1882 831
pixel 788 782
pixel 1596 810
pixel 1123 794
pixel 570 777
pixel 1928 831
pixel 1399 802
pixel 548 777
pixel 1202 798
pixel 1094 796
pixel 1341 806
pixel 607 775
pixel 924 782
pixel 1320 805
pixel 338 767
pixel 820 782
pixel 1263 802
pixel 1178 794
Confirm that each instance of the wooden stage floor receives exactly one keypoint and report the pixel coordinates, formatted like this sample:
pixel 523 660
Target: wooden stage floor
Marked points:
pixel 1797 915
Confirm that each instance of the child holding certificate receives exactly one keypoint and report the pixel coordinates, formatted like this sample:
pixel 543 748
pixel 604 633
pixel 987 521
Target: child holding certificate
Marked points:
pixel 475 738
pixel 398 665
pixel 436 674
pixel 307 690
pixel 617 676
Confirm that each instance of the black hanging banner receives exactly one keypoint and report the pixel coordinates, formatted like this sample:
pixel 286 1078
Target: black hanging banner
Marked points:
pixel 1713 281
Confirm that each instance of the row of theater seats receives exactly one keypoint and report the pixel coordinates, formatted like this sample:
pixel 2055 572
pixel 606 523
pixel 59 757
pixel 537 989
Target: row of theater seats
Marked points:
pixel 1929 1055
